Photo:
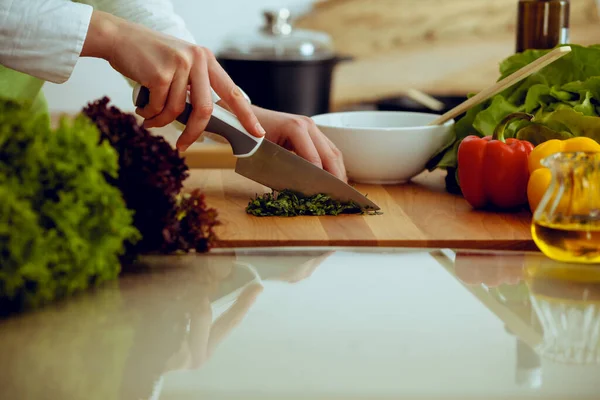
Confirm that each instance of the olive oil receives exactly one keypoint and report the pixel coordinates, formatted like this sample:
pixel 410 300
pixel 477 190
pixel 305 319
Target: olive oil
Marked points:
pixel 573 242
pixel 542 24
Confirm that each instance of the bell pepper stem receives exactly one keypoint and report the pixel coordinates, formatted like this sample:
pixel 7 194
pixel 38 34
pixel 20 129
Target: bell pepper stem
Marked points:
pixel 499 131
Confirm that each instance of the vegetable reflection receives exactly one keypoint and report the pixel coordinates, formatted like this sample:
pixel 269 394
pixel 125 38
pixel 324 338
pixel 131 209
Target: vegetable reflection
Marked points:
pixel 167 314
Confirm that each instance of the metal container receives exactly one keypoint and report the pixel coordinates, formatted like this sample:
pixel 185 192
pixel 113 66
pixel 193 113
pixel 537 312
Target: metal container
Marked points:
pixel 282 68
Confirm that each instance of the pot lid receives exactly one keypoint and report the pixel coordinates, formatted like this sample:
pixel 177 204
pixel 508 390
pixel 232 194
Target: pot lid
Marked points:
pixel 277 39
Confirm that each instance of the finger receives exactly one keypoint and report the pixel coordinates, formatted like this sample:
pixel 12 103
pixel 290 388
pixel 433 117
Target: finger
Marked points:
pixel 304 269
pixel 302 144
pixel 180 360
pixel 312 265
pixel 220 268
pixel 175 104
pixel 327 155
pixel 158 97
pixel 202 105
pixel 200 323
pixel 339 156
pixel 231 94
pixel 231 318
pixel 340 161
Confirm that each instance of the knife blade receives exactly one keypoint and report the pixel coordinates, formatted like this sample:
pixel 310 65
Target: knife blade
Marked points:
pixel 266 162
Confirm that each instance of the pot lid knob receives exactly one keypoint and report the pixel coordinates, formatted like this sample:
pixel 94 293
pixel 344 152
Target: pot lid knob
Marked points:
pixel 277 22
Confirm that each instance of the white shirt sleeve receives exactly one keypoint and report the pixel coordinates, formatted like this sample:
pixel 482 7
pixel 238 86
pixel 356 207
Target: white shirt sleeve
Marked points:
pixel 158 15
pixel 43 38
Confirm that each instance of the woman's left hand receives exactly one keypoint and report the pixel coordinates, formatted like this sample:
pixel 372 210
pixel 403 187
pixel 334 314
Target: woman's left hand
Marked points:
pixel 301 135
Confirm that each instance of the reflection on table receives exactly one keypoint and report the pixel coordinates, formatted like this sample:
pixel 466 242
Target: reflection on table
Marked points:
pixel 176 319
pixel 553 308
pixel 118 342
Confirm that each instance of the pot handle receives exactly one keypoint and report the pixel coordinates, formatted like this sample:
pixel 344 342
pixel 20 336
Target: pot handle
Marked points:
pixel 341 58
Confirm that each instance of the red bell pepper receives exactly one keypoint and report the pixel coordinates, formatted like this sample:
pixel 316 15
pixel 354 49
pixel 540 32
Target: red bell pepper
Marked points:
pixel 492 171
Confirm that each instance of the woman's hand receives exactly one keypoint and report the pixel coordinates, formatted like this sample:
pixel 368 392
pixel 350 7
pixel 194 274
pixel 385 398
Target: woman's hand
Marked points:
pixel 168 67
pixel 300 135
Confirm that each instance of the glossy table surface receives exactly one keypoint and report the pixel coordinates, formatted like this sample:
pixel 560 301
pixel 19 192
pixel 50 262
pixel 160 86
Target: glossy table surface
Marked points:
pixel 317 324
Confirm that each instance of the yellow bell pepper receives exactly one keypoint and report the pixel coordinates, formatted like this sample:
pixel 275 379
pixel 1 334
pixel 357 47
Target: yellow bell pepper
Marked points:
pixel 540 176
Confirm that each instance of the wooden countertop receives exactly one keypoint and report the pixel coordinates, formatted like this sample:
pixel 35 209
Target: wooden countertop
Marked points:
pixel 420 214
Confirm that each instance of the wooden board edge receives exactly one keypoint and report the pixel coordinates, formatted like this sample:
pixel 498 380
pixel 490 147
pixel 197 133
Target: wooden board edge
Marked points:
pixel 458 245
pixel 209 156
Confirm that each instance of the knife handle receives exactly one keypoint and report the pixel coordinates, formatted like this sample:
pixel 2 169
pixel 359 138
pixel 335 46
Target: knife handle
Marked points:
pixel 222 123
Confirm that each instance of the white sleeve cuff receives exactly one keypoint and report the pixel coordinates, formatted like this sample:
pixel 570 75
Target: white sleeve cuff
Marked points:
pixel 158 15
pixel 43 38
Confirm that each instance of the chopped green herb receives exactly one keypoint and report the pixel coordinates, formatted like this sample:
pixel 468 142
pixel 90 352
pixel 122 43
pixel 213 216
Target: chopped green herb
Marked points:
pixel 289 204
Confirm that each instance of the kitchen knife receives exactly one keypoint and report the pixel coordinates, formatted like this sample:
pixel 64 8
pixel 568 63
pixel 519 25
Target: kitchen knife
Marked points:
pixel 266 162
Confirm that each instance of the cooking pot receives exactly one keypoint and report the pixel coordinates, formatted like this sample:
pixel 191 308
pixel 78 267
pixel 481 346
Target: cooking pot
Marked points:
pixel 282 68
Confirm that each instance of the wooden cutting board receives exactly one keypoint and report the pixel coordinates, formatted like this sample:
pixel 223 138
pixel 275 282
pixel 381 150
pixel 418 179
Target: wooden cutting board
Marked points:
pixel 419 214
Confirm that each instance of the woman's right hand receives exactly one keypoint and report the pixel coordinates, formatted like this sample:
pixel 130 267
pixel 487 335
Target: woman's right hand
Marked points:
pixel 169 67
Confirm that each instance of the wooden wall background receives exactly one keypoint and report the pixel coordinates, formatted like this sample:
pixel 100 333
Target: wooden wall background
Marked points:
pixel 438 46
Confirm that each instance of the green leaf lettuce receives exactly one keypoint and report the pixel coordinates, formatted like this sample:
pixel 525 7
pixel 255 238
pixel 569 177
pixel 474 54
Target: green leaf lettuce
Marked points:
pixel 564 97
pixel 62 225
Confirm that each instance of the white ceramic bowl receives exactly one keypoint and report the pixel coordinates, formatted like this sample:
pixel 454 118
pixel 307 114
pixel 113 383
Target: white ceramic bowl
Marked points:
pixel 384 147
